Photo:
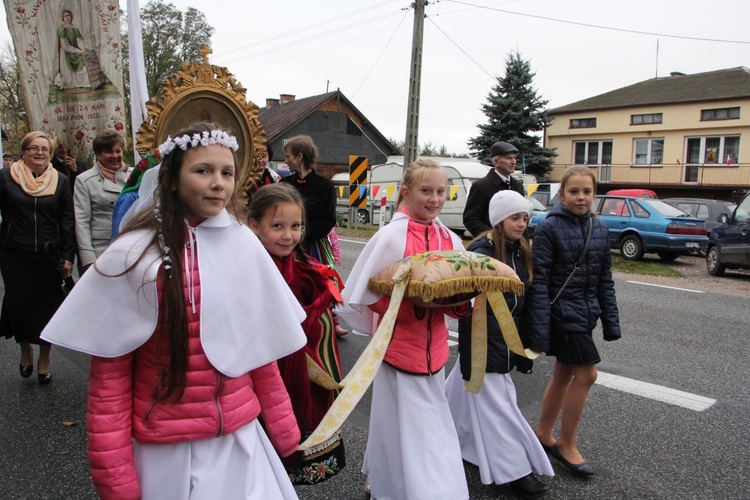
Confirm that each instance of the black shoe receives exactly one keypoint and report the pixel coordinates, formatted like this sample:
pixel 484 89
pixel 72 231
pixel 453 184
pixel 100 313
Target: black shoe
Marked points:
pixel 582 470
pixel 26 371
pixel 529 487
pixel 547 449
pixel 45 378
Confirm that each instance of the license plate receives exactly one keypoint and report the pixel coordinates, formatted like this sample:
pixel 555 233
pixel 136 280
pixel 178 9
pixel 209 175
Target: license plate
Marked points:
pixel 692 244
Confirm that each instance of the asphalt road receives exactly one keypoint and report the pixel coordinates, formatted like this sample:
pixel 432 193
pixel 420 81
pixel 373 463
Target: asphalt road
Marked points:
pixel 673 425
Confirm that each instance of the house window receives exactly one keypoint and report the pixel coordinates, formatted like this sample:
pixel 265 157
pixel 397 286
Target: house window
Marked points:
pixel 717 150
pixel 583 123
pixel 592 153
pixel 645 119
pixel 648 152
pixel 720 114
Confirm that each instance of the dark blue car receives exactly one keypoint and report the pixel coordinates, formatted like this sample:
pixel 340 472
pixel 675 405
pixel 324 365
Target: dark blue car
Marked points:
pixel 729 242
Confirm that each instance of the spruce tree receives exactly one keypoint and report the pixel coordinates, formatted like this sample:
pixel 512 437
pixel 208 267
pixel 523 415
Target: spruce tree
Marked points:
pixel 515 111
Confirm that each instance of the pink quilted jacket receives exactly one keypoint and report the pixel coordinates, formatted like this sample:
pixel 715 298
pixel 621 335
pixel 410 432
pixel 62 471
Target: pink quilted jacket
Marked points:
pixel 420 336
pixel 121 406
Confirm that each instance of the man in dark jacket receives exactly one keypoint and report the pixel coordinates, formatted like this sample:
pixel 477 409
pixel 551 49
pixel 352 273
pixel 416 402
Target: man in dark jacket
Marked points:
pixel 476 212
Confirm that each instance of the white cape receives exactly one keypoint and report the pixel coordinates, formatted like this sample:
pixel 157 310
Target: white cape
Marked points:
pixel 249 316
pixel 386 247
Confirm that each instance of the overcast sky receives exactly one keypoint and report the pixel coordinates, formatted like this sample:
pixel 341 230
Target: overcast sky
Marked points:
pixel 577 48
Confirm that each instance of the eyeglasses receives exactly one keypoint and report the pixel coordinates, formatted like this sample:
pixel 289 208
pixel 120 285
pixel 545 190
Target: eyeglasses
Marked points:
pixel 36 149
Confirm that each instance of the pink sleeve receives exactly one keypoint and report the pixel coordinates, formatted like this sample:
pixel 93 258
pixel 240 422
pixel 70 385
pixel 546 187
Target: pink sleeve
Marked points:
pixel 110 442
pixel 276 409
pixel 406 312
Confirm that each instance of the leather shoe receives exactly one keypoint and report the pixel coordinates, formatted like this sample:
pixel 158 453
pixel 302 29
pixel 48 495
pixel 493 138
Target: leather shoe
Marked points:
pixel 26 371
pixel 45 378
pixel 545 447
pixel 529 487
pixel 582 470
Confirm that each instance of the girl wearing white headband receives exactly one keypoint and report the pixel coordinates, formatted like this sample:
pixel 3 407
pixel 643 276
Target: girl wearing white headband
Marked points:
pixel 183 359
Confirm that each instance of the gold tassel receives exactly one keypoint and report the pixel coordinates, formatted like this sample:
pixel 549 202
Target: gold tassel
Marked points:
pixel 450 287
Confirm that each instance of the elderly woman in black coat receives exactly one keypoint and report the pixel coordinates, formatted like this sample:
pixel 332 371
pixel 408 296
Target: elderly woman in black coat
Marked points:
pixel 37 249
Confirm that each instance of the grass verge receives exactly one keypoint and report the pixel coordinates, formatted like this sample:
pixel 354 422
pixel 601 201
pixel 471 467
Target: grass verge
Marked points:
pixel 643 267
pixel 356 232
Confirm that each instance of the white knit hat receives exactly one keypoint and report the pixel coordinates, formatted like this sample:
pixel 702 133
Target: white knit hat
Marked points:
pixel 506 203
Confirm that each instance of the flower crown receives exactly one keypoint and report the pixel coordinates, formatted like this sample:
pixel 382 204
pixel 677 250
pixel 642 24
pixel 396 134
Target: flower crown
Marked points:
pixel 204 139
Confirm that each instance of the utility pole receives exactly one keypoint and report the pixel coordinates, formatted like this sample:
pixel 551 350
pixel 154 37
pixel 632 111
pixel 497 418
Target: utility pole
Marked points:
pixel 411 144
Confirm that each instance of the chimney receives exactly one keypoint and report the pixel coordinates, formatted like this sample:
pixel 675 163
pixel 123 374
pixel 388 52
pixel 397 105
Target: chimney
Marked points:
pixel 285 98
pixel 676 73
pixel 271 102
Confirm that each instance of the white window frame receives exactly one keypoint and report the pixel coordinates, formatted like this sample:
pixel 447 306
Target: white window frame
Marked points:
pixel 649 152
pixel 703 155
pixel 600 145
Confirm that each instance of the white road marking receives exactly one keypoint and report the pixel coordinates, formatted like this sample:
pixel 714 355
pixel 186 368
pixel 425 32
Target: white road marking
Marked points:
pixel 353 241
pixel 655 392
pixel 453 334
pixel 665 286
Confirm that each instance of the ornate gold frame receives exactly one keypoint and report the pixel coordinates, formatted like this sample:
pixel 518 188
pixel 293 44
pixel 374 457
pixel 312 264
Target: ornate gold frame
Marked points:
pixel 203 91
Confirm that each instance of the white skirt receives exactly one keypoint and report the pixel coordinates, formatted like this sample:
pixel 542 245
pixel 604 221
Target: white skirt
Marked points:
pixel 412 448
pixel 493 433
pixel 242 465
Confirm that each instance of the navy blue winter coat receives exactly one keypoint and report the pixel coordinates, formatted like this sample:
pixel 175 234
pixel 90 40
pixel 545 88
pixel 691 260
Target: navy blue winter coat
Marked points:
pixel 590 293
pixel 499 357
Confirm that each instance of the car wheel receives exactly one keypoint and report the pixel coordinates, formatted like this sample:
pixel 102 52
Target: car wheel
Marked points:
pixel 713 262
pixel 667 255
pixel 363 217
pixel 631 248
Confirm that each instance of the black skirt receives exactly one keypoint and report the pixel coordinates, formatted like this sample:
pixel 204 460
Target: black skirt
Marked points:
pixel 574 349
pixel 32 295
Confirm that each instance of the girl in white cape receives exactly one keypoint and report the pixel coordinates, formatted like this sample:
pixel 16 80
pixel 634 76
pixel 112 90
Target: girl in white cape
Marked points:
pixel 412 448
pixel 184 316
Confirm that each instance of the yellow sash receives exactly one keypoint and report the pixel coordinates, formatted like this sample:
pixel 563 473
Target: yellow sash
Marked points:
pixel 479 336
pixel 363 372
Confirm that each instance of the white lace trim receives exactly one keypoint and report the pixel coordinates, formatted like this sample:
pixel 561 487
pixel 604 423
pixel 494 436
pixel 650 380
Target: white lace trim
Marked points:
pixel 204 139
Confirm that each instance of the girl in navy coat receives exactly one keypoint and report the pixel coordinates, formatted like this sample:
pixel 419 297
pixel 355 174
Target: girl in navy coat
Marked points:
pixel 564 303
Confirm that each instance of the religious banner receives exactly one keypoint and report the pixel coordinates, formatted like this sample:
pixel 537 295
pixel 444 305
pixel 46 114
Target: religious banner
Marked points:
pixel 69 58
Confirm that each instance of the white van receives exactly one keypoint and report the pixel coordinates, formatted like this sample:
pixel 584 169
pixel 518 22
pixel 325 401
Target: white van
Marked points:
pixel 526 179
pixel 385 181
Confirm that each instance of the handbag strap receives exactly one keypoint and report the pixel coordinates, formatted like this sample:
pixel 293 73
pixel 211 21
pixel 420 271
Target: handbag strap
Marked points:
pixel 579 262
pixel 587 243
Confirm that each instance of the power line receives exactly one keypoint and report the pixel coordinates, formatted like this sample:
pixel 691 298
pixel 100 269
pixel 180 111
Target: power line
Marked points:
pixel 309 38
pixel 381 54
pixel 318 49
pixel 303 29
pixel 587 25
pixel 429 18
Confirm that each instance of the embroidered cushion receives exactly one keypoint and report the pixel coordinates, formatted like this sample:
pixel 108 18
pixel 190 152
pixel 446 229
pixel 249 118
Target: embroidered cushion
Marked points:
pixel 439 275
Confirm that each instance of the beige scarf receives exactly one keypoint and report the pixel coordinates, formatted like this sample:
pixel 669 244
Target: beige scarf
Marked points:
pixel 43 185
pixel 107 172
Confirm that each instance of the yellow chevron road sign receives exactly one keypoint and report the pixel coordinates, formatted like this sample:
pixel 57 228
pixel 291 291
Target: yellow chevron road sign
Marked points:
pixel 357 181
